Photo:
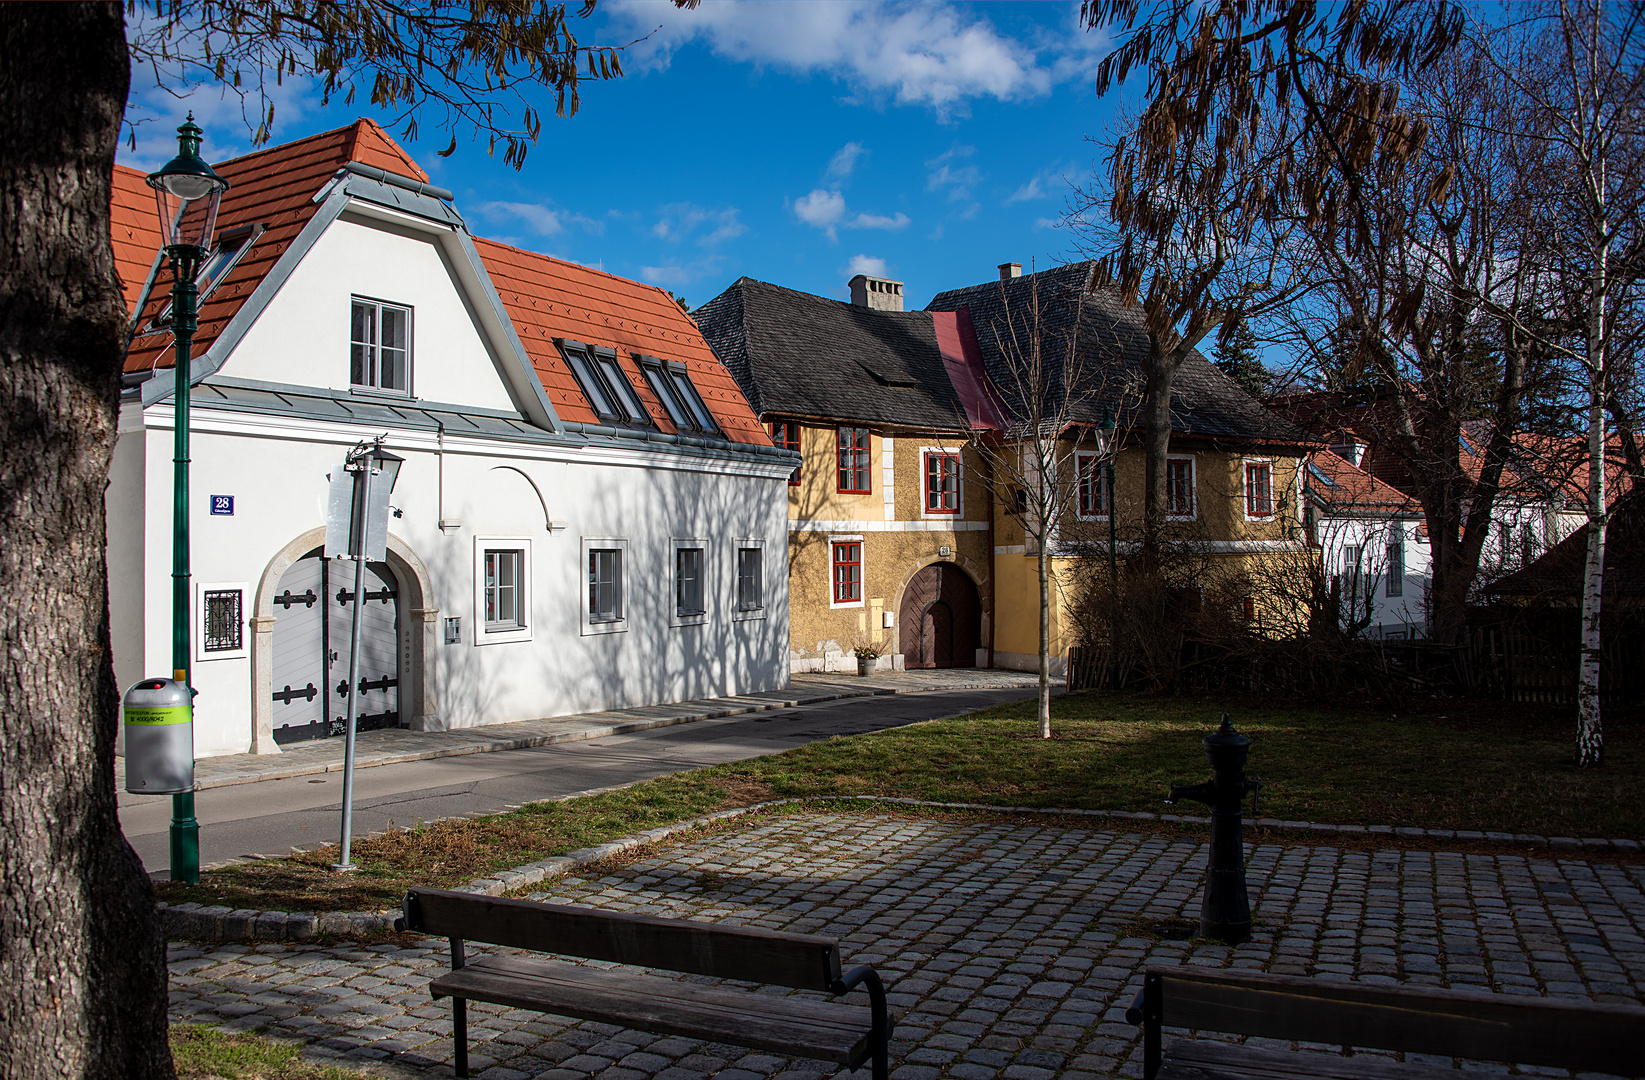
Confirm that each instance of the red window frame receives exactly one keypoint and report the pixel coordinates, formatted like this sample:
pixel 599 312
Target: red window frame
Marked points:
pixel 1259 489
pixel 942 483
pixel 1092 485
pixel 847 561
pixel 854 444
pixel 787 436
pixel 1179 487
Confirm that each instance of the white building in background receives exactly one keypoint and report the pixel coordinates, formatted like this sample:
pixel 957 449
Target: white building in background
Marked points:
pixel 589 516
pixel 1373 544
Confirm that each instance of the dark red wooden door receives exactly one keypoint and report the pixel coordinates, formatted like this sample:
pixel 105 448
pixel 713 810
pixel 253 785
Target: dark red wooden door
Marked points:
pixel 940 619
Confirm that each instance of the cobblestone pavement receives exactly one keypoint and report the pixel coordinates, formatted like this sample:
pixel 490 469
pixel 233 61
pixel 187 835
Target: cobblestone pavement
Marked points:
pixel 1011 949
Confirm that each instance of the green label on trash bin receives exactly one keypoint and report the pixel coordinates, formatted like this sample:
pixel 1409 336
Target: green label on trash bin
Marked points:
pixel 169 714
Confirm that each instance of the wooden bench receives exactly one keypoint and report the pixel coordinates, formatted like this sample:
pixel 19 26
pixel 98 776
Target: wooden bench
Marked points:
pixel 1451 1023
pixel 803 1026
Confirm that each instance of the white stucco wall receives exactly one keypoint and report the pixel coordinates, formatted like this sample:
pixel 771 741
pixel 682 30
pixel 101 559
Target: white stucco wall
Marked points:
pixel 1406 614
pixel 302 337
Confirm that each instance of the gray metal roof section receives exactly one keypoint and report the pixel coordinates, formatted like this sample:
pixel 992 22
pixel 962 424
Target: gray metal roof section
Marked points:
pixel 343 407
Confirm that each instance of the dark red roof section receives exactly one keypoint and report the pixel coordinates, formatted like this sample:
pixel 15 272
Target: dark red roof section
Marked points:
pixel 274 188
pixel 548 299
pixel 1351 488
pixel 136 230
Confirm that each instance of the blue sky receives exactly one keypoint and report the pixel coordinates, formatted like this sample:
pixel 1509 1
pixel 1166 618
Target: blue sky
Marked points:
pixel 798 143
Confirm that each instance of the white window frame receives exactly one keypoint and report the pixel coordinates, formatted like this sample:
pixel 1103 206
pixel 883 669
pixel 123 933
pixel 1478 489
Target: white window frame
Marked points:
pixel 479 634
pixel 862 568
pixel 1193 488
pixel 411 338
pixel 672 585
pixel 1393 585
pixel 591 626
pixel 200 590
pixel 1244 493
pixel 956 514
pixel 1080 457
pixel 757 543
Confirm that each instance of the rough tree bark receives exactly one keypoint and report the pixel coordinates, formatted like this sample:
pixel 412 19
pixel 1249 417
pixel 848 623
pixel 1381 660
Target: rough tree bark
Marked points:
pixel 82 958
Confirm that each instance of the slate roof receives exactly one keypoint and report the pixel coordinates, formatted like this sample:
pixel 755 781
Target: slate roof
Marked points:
pixel 544 297
pixel 795 354
pixel 1111 343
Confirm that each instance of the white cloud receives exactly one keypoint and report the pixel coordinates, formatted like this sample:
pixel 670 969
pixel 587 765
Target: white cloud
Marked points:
pixel 878 221
pixel 820 208
pixel 540 219
pixel 866 264
pixel 937 55
pixel 945 173
pixel 229 123
pixel 845 160
pixel 825 210
pixel 674 275
pixel 1045 184
pixel 678 221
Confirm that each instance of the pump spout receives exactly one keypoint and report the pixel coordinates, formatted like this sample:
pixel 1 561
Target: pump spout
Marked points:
pixel 1198 792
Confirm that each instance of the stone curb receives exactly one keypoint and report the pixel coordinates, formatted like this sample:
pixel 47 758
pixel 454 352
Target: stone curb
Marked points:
pixel 196 922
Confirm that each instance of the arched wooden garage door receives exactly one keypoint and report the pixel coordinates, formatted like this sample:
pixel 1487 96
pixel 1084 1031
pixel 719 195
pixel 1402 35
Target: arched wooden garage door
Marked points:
pixel 941 619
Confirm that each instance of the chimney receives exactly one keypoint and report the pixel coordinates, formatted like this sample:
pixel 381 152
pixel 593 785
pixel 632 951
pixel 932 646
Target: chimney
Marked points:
pixel 876 294
pixel 1010 270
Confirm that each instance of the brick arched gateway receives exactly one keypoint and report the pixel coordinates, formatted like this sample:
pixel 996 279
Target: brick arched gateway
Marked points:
pixel 940 620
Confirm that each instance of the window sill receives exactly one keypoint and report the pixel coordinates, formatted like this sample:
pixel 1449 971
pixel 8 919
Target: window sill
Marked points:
pixel 748 614
pixel 593 626
pixel 502 637
pixel 375 392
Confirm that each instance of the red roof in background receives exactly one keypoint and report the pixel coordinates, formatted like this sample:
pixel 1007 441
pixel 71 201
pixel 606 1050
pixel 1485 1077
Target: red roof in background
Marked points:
pixel 136 227
pixel 274 188
pixel 1349 487
pixel 549 299
pixel 546 298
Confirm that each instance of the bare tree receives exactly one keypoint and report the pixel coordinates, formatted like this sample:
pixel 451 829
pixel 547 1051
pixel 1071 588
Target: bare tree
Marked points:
pixel 1030 430
pixel 82 959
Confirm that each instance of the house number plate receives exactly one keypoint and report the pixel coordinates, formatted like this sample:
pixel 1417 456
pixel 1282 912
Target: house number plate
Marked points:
pixel 222 505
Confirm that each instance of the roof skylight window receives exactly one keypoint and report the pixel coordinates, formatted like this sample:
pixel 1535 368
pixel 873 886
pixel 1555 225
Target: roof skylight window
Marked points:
pixel 673 386
pixel 232 244
pixel 603 383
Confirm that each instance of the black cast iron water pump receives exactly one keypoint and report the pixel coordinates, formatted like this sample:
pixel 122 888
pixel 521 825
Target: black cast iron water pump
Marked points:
pixel 1225 914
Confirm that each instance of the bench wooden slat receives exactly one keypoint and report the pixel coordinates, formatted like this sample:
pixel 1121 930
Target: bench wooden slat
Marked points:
pixel 818 1029
pixel 1491 1027
pixel 1198 1059
pixel 746 953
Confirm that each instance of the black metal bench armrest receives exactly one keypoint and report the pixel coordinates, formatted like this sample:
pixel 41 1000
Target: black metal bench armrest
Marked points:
pixel 880 1034
pixel 1134 1014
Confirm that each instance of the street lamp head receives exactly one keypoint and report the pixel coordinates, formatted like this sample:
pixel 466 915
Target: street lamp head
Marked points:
pixel 389 464
pixel 186 191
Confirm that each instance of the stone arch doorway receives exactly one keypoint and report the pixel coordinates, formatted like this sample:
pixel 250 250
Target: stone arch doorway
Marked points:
pixel 940 618
pixel 412 637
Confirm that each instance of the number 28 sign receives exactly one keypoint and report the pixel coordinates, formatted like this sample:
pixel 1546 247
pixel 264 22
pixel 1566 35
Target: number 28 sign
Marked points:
pixel 222 505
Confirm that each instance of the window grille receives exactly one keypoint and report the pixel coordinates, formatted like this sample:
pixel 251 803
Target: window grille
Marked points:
pixel 224 626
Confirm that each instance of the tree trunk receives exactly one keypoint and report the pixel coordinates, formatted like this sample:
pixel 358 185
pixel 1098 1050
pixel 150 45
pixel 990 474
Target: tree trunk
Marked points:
pixel 82 958
pixel 1590 733
pixel 1044 566
pixel 1159 377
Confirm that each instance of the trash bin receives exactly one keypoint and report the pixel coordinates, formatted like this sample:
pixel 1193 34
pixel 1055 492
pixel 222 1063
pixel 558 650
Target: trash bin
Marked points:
pixel 159 727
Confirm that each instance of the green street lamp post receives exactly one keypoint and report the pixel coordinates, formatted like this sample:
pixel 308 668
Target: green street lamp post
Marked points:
pixel 186 191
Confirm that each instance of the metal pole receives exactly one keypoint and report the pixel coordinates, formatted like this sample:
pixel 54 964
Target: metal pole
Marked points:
pixel 185 263
pixel 1113 564
pixel 357 546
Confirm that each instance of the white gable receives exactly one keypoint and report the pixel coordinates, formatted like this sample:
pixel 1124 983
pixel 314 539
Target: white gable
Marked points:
pixel 302 338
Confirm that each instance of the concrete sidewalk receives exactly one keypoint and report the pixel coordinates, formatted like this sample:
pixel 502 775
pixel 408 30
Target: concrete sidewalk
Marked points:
pixel 395 745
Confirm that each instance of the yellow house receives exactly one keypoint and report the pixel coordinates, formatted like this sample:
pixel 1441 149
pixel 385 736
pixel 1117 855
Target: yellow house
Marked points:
pixel 890 538
pixel 907 541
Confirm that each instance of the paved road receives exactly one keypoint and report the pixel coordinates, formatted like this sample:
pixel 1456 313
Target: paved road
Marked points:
pixel 275 815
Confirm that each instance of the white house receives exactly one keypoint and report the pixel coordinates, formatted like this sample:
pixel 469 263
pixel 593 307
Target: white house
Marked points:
pixel 1373 544
pixel 589 516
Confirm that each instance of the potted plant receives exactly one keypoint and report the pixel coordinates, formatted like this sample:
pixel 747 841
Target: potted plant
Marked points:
pixel 866 653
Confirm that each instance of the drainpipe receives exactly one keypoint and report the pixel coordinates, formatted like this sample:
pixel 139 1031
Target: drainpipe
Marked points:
pixel 993 568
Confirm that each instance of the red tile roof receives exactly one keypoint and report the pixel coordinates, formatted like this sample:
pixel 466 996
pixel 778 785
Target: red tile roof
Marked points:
pixel 545 297
pixel 1348 487
pixel 548 298
pixel 274 188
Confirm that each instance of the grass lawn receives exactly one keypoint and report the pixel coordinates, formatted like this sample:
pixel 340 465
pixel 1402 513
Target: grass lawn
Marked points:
pixel 1459 765
pixel 207 1053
